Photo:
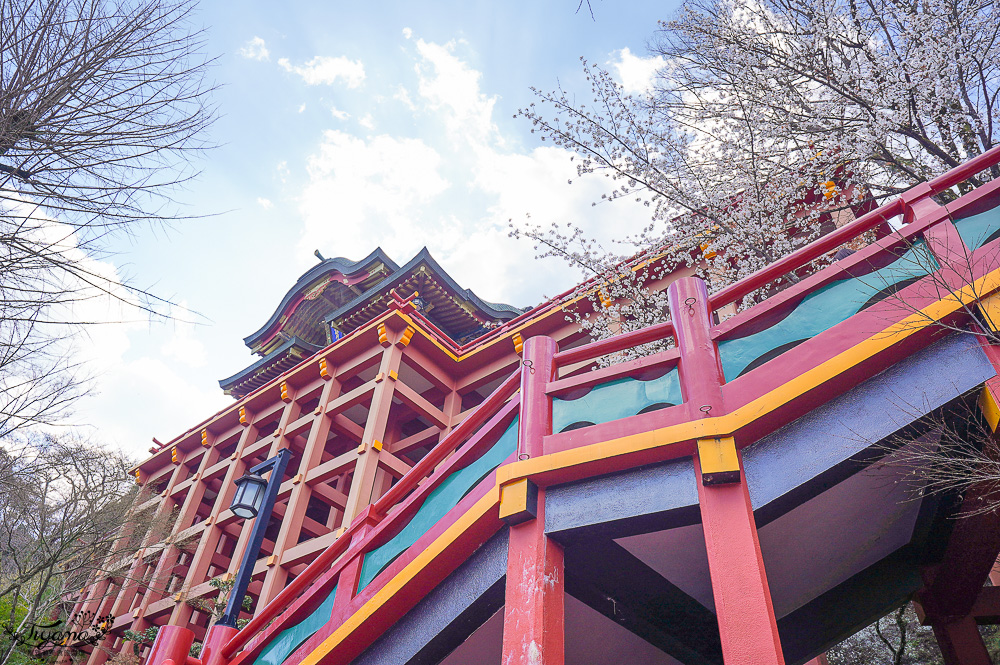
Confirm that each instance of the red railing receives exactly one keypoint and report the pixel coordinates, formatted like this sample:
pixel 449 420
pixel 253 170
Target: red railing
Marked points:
pixel 735 293
pixel 628 340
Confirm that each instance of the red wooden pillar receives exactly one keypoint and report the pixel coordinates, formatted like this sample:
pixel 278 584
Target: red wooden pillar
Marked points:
pixel 533 628
pixel 533 622
pixel 172 643
pixel 961 643
pixel 743 606
pixel 363 482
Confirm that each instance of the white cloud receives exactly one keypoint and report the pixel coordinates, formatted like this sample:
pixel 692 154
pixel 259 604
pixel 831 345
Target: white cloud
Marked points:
pixel 637 74
pixel 181 345
pixel 338 114
pixel 281 168
pixel 135 391
pixel 149 396
pixel 450 86
pixel 264 203
pixel 368 192
pixel 302 108
pixel 255 49
pixel 407 33
pixel 325 70
pixel 367 121
pixel 453 189
pixel 403 95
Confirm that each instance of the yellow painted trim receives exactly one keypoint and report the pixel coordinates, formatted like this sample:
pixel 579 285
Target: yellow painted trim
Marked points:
pixel 990 408
pixel 990 309
pixel 718 455
pixel 393 586
pixel 514 498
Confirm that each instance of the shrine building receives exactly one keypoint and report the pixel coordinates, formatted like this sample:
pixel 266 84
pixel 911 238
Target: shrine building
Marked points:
pixel 456 481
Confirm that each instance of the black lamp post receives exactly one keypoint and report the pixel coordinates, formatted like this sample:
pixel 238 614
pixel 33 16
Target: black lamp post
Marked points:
pixel 254 498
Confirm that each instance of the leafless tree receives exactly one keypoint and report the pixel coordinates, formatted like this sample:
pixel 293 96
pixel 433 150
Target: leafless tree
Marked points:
pixel 103 110
pixel 63 506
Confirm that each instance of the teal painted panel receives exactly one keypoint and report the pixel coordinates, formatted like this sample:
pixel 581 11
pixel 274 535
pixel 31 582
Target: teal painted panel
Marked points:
pixel 437 504
pixel 616 399
pixel 822 310
pixel 977 229
pixel 290 639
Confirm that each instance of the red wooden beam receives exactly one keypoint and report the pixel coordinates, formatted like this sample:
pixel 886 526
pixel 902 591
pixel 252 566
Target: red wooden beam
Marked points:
pixel 961 643
pixel 664 359
pixel 986 610
pixel 955 584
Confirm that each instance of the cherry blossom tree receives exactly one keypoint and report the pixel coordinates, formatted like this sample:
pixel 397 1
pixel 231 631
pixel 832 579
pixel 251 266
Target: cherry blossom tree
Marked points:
pixel 772 122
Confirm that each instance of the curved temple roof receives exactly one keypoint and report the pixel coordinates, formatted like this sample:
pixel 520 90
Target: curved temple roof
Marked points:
pixel 337 270
pixel 338 295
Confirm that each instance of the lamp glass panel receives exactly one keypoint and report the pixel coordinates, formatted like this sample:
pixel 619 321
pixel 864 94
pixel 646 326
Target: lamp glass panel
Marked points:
pixel 249 496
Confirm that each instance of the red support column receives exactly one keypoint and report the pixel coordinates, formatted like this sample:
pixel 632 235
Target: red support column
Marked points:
pixel 743 606
pixel 533 627
pixel 961 643
pixel 533 622
pixel 747 623
pixel 211 650
pixel 298 501
pixel 363 482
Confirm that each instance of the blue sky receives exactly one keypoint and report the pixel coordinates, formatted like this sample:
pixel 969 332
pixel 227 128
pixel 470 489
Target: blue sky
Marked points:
pixel 345 126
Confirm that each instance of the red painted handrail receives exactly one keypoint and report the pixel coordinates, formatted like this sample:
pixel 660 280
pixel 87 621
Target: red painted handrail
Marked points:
pixel 804 255
pixel 820 246
pixel 614 344
pixel 988 159
pixel 560 387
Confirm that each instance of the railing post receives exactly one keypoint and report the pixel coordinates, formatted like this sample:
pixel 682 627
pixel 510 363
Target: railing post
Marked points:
pixel 537 369
pixel 534 618
pixel 211 648
pixel 171 643
pixel 350 574
pixel 917 202
pixel 700 367
pixel 743 606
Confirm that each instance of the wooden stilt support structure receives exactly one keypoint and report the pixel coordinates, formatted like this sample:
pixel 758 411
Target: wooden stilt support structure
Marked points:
pixel 747 623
